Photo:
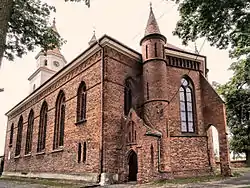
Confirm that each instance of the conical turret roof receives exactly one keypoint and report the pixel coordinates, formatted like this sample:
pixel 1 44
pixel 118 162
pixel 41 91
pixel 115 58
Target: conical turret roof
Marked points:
pixel 152 25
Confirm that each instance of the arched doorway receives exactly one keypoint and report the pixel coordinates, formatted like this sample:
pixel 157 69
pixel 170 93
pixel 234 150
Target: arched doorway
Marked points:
pixel 214 147
pixel 133 166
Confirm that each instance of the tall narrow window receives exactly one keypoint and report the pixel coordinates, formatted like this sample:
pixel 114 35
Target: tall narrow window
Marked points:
pixel 81 102
pixel 11 134
pixel 186 106
pixel 146 51
pixel 79 152
pixel 155 49
pixel 42 127
pixel 84 157
pixel 59 121
pixel 152 155
pixel 127 97
pixel 28 145
pixel 147 91
pixel 19 136
pixel 163 51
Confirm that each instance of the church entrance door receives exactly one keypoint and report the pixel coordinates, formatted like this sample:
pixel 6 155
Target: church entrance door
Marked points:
pixel 133 166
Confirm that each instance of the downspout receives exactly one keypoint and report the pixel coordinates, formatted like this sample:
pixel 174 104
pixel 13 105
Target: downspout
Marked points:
pixel 102 106
pixel 159 150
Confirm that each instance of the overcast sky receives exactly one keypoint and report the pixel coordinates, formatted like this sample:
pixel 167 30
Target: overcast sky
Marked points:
pixel 122 20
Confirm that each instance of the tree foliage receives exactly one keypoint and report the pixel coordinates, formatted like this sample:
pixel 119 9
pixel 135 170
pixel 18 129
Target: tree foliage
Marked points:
pixel 223 23
pixel 28 27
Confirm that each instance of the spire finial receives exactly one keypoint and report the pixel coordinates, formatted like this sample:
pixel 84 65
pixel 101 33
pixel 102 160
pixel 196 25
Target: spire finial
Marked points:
pixel 93 39
pixel 150 5
pixel 54 25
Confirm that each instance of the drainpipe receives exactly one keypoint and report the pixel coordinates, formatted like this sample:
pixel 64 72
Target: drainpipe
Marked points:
pixel 102 112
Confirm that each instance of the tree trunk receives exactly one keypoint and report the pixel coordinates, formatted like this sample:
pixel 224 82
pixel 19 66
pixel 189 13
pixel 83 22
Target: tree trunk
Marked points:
pixel 5 13
pixel 248 158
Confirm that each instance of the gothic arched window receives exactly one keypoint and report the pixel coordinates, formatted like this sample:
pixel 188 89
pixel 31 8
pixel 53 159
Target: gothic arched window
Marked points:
pixel 28 145
pixel 42 127
pixel 59 121
pixel 187 106
pixel 11 134
pixel 81 102
pixel 19 136
pixel 127 97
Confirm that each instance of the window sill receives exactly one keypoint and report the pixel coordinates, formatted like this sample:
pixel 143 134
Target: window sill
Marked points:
pixel 185 134
pixel 27 155
pixel 57 150
pixel 40 153
pixel 17 157
pixel 131 143
pixel 80 122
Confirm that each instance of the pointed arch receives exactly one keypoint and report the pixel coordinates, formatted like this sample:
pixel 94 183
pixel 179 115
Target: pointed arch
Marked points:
pixel 29 134
pixel 187 105
pixel 42 127
pixel 127 96
pixel 19 136
pixel 132 165
pixel 59 121
pixel 81 102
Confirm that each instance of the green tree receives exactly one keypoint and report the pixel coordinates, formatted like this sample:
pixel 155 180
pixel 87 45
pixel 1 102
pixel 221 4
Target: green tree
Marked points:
pixel 24 24
pixel 236 94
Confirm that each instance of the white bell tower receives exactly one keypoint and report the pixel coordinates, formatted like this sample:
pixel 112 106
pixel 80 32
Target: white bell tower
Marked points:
pixel 46 65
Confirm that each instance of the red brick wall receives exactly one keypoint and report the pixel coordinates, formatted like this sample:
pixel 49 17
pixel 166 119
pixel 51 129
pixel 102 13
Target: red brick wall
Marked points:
pixel 64 161
pixel 189 154
pixel 118 67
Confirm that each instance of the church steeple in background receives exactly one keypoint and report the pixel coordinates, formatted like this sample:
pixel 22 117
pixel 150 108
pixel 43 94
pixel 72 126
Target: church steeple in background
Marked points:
pixel 47 64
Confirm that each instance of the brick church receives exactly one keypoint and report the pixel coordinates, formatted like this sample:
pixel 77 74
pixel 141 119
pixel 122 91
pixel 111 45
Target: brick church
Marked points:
pixel 115 115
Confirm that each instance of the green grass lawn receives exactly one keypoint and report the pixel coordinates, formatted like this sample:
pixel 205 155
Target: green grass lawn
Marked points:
pixel 48 182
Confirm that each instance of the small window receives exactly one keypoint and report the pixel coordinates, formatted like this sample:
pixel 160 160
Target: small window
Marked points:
pixel 147 91
pixel 155 49
pixel 45 62
pixel 79 152
pixel 84 158
pixel 152 155
pixel 163 51
pixel 146 51
pixel 34 87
